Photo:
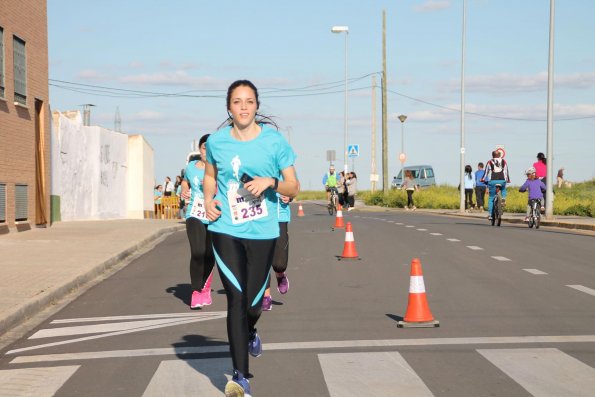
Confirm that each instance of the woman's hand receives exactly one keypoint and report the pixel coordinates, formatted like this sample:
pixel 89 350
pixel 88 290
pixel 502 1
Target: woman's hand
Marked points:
pixel 213 211
pixel 258 185
pixel 285 199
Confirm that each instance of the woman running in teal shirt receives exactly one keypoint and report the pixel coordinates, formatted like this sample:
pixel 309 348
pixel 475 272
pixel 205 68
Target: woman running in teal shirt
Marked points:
pixel 245 160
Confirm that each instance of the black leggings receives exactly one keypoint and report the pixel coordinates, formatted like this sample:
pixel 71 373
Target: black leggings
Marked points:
pixel 281 255
pixel 410 198
pixel 244 267
pixel 202 259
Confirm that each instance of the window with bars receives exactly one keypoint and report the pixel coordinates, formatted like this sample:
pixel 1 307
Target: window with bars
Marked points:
pixel 2 94
pixel 2 202
pixel 20 70
pixel 21 202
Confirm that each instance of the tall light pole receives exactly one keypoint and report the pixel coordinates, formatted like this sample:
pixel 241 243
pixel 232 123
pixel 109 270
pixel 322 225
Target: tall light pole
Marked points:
pixel 462 166
pixel 384 111
pixel 344 29
pixel 549 178
pixel 402 155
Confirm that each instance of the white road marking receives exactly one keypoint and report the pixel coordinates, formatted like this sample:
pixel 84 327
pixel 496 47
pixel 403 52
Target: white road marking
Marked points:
pixel 206 378
pixel 544 372
pixel 409 226
pixel 454 240
pixel 38 382
pixel 370 374
pixel 110 327
pixel 131 317
pixel 105 335
pixel 422 230
pixel 398 223
pixel 436 234
pixel 307 345
pixel 534 271
pixel 474 248
pixel 501 258
pixel 584 289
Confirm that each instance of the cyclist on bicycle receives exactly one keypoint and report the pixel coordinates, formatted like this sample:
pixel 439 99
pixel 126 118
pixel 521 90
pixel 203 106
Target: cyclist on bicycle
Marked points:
pixel 330 182
pixel 496 174
pixel 536 190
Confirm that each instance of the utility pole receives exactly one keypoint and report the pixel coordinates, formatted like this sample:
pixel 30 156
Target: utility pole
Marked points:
pixel 374 176
pixel 384 111
pixel 549 177
pixel 462 165
pixel 117 120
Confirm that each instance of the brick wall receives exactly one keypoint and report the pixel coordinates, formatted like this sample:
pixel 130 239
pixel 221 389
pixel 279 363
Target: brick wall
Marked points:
pixel 26 19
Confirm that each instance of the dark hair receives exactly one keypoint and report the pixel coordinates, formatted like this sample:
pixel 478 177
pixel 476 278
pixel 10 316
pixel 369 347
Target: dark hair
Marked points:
pixel 468 169
pixel 541 157
pixel 496 154
pixel 353 173
pixel 203 139
pixel 260 118
pixel 480 165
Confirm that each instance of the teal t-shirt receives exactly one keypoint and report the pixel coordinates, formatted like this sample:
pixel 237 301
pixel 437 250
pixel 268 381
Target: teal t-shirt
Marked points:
pixel 242 214
pixel 283 210
pixel 194 176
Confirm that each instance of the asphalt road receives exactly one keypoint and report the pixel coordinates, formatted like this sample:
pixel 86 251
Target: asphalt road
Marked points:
pixel 516 310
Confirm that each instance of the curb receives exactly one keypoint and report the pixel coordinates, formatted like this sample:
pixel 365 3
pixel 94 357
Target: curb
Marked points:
pixel 36 305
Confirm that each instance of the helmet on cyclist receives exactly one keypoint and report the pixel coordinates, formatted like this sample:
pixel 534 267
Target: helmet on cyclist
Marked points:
pixel 530 171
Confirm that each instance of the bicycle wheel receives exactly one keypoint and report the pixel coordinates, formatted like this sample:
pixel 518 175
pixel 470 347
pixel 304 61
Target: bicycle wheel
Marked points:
pixel 331 206
pixel 499 211
pixel 531 221
pixel 537 218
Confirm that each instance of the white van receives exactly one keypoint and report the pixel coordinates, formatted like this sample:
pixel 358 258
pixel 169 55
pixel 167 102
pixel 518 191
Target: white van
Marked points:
pixel 423 175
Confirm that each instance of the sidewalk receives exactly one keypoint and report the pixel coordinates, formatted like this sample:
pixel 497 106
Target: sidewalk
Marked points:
pixel 41 266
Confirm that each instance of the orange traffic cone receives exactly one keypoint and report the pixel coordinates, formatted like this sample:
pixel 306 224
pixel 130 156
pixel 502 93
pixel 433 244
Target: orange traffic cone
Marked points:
pixel 339 224
pixel 300 211
pixel 418 311
pixel 349 251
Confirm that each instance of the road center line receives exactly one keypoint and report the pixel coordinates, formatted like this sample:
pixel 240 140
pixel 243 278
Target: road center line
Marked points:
pixel 584 289
pixel 535 271
pixel 308 345
pixel 436 234
pixel 474 248
pixel 454 240
pixel 501 258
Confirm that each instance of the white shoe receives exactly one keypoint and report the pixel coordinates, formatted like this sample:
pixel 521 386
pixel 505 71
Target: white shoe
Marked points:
pixel 349 209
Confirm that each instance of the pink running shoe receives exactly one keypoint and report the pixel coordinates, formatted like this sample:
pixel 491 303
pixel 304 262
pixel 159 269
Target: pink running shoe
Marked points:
pixel 267 303
pixel 195 300
pixel 204 297
pixel 282 284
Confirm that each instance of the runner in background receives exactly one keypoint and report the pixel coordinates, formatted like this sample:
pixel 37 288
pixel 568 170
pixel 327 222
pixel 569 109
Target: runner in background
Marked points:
pixel 202 259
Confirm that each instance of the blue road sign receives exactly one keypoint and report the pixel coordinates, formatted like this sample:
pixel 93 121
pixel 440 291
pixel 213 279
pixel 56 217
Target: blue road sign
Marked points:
pixel 352 151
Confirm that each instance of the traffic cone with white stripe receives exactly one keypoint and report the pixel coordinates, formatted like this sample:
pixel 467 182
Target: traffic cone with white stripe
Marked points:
pixel 418 311
pixel 300 211
pixel 339 224
pixel 349 251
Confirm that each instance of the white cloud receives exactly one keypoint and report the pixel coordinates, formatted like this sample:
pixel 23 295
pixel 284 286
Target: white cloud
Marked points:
pixel 92 75
pixel 432 5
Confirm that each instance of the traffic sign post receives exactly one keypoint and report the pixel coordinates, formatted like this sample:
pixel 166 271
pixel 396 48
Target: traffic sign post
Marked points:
pixel 353 151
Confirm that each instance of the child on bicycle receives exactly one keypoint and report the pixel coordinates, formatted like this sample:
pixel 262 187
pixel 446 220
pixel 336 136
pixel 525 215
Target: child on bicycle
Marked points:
pixel 536 189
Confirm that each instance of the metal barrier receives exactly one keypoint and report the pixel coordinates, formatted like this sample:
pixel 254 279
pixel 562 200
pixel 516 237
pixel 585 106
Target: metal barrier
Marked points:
pixel 168 208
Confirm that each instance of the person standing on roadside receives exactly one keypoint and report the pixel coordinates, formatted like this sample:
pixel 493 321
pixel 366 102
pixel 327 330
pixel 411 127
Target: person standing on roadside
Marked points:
pixel 202 259
pixel 480 187
pixel 351 190
pixel 245 160
pixel 469 186
pixel 410 187
pixel 168 187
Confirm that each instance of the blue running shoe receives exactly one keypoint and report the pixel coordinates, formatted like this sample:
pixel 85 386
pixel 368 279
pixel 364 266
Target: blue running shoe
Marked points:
pixel 238 386
pixel 254 345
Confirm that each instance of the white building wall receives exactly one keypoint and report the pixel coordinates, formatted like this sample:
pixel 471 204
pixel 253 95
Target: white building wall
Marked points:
pixel 91 169
pixel 140 177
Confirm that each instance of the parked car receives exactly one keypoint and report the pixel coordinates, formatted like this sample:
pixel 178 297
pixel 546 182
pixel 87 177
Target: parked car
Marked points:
pixel 423 175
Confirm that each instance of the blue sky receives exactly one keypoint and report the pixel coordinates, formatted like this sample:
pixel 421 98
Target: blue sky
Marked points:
pixel 199 47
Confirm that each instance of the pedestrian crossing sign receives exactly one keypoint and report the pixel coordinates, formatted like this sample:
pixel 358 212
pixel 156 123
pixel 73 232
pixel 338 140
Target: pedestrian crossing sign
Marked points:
pixel 353 151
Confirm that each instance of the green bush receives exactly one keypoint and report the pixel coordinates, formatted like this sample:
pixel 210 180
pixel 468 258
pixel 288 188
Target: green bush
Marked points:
pixel 578 200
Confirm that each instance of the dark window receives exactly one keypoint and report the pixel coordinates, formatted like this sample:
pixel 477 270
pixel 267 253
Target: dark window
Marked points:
pixel 2 202
pixel 21 202
pixel 20 71
pixel 2 94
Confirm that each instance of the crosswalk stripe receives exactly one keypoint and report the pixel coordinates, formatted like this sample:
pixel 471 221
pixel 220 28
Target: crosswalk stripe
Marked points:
pixel 205 378
pixel 38 382
pixel 370 374
pixel 544 372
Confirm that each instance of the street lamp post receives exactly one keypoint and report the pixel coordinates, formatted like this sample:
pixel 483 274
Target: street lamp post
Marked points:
pixel 344 29
pixel 402 155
